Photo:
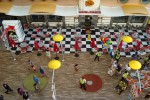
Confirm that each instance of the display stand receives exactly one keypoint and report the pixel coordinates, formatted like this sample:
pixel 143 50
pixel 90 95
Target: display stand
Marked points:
pixel 17 34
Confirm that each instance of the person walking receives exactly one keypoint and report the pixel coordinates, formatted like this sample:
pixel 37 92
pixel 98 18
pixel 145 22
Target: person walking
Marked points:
pixel 20 91
pixel 30 62
pixel 122 85
pixel 1 97
pixel 42 72
pixel 36 79
pixel 110 51
pixel 125 75
pixel 98 54
pixel 36 87
pixel 7 87
pixel 118 69
pixel 147 96
pixel 117 57
pixel 33 67
pixel 25 96
pixel 82 83
pixel 75 68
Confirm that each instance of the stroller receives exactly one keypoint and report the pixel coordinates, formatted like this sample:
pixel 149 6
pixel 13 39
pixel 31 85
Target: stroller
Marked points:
pixel 111 71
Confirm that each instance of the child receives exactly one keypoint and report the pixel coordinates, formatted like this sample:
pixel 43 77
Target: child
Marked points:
pixel 75 67
pixel 36 87
pixel 33 68
pixel 30 62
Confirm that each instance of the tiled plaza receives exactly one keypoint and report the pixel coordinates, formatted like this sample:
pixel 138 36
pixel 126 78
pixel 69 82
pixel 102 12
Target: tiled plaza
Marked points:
pixel 67 83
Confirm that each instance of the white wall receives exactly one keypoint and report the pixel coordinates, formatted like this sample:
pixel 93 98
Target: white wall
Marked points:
pixel 94 7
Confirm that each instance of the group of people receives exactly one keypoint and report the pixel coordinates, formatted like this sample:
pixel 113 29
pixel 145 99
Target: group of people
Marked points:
pixel 34 68
pixel 35 78
pixel 36 83
pixel 20 91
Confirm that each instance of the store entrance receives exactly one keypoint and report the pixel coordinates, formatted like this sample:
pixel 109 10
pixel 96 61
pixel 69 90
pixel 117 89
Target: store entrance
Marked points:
pixel 88 20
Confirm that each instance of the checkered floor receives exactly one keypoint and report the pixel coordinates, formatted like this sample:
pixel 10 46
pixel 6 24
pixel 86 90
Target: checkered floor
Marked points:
pixel 69 41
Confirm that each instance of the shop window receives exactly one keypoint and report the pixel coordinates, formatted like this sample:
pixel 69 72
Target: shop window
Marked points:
pixel 37 18
pixel 145 1
pixel 137 19
pixel 123 1
pixel 123 19
pixel 53 18
pixel 22 19
pixel 4 17
pixel 13 18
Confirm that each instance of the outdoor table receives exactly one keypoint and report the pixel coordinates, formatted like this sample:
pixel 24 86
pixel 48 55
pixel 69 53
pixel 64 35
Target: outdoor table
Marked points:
pixel 93 82
pixel 41 34
pixel 23 47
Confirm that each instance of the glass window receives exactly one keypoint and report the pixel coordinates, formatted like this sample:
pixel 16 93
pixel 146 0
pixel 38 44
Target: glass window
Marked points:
pixel 137 19
pixel 145 1
pixel 13 17
pixel 22 19
pixel 4 17
pixel 123 1
pixel 123 19
pixel 53 18
pixel 37 18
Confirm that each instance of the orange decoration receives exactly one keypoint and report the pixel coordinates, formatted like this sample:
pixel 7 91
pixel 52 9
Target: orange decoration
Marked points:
pixel 89 3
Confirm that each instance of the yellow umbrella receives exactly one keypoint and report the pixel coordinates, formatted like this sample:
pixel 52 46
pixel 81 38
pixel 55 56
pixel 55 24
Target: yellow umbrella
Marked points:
pixel 58 37
pixel 54 64
pixel 127 39
pixel 135 65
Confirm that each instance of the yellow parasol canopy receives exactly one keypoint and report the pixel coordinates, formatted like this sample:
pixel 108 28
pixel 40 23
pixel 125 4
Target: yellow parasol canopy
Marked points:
pixel 58 37
pixel 135 65
pixel 54 64
pixel 127 39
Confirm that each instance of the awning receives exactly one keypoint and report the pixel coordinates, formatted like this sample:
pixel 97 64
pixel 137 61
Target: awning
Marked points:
pixel 5 7
pixel 111 11
pixel 148 9
pixel 134 9
pixel 19 10
pixel 43 7
pixel 67 10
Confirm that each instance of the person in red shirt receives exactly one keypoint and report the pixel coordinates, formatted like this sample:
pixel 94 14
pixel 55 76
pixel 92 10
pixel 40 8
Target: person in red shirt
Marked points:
pixel 36 46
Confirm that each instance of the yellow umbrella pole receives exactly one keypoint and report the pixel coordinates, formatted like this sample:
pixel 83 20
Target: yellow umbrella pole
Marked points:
pixel 62 51
pixel 139 79
pixel 53 78
pixel 53 86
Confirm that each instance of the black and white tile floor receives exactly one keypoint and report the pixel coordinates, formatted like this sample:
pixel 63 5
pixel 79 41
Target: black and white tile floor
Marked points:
pixel 69 41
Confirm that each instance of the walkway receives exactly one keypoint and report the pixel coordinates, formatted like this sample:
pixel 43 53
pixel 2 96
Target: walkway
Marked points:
pixel 67 83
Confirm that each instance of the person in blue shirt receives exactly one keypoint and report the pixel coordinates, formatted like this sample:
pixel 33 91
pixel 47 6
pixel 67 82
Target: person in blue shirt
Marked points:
pixel 36 79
